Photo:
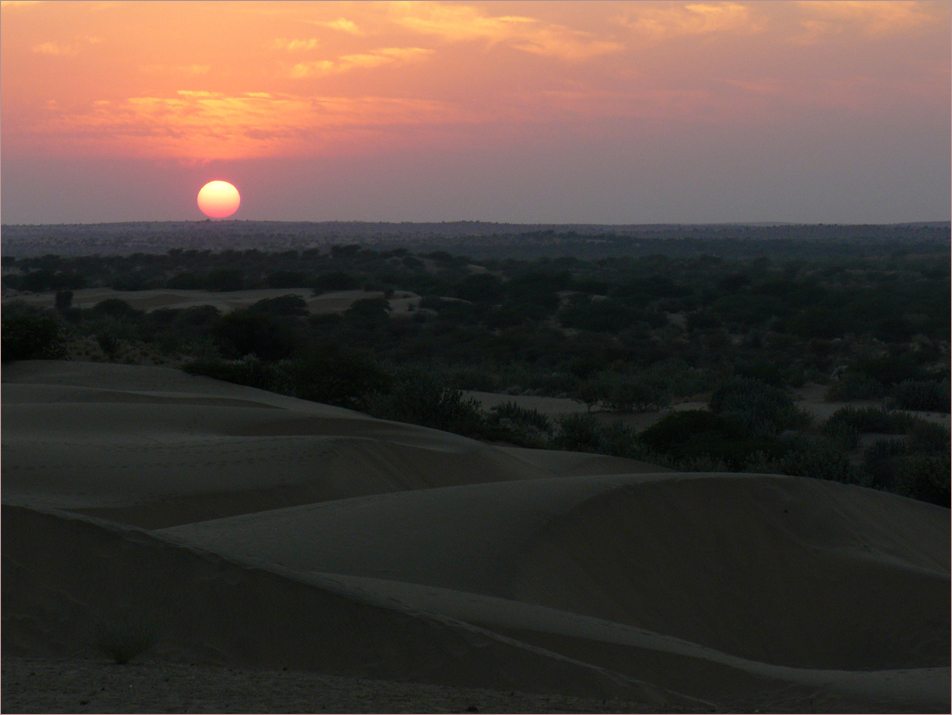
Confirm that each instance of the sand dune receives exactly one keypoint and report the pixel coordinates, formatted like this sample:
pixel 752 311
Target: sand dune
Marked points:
pixel 267 532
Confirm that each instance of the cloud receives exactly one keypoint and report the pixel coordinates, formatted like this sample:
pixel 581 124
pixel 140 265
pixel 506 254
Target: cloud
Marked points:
pixel 65 49
pixel 662 21
pixel 57 49
pixel 825 19
pixel 199 125
pixel 559 42
pixel 464 23
pixel 178 69
pixel 294 45
pixel 456 23
pixel 340 24
pixel 367 60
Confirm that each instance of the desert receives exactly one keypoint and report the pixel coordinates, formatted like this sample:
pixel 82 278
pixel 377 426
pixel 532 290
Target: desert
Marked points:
pixel 462 356
pixel 387 567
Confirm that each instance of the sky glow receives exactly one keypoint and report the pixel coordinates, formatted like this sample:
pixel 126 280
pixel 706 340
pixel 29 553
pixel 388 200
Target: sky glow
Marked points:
pixel 596 112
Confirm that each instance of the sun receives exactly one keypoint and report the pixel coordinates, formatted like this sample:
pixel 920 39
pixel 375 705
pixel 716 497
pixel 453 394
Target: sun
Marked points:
pixel 218 199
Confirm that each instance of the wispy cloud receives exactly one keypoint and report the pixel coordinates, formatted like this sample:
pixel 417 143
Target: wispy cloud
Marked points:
pixel 59 49
pixel 823 19
pixel 555 41
pixel 662 21
pixel 177 69
pixel 465 23
pixel 282 43
pixel 457 23
pixel 366 60
pixel 340 24
pixel 65 49
pixel 199 125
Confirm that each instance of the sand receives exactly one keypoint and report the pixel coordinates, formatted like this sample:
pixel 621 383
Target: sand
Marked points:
pixel 345 564
pixel 225 301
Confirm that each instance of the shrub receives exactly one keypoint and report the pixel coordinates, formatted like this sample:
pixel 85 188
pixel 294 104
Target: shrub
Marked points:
pixel 64 300
pixel 420 399
pixel 335 280
pixel 249 371
pixel 577 433
pixel 519 425
pixel 247 332
pixel 125 634
pixel 855 386
pixel 635 396
pixel 589 392
pixel 867 419
pixel 281 305
pixel 334 378
pixel 818 460
pixel 288 279
pixel 226 279
pixel 701 434
pixel 758 408
pixel 31 335
pixel 927 437
pixel 368 313
pixel 108 341
pixel 523 416
pixel 924 395
pixel 926 478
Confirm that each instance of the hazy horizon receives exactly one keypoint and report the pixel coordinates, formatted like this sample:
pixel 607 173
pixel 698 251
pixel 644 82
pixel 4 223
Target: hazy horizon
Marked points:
pixel 553 113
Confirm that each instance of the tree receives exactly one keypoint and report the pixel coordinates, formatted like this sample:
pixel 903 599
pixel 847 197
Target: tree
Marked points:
pixel 368 313
pixel 247 332
pixel 64 300
pixel 635 396
pixel 31 336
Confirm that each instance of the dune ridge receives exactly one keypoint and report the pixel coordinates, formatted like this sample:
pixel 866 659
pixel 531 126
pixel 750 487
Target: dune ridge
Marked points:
pixel 268 532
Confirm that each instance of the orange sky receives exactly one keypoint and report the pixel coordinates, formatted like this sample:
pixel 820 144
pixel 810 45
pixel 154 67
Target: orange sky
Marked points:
pixel 220 85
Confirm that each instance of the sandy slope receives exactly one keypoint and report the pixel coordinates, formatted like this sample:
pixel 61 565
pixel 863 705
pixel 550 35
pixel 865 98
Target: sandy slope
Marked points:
pixel 225 301
pixel 262 531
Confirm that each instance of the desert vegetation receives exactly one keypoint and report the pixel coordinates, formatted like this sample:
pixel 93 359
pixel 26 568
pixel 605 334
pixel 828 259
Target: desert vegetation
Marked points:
pixel 618 335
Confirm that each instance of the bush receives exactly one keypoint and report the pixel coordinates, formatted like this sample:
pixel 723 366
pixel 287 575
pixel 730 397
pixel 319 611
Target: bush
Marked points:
pixel 420 399
pixel 927 437
pixel 281 305
pixel 288 279
pixel 368 313
pixel 116 308
pixel 855 386
pixel 758 408
pixel 247 332
pixel 522 416
pixel 334 378
pixel 64 300
pixel 926 478
pixel 636 396
pixel 519 425
pixel 249 371
pixel 31 335
pixel 578 433
pixel 335 280
pixel 589 392
pixel 866 420
pixel 807 458
pixel 924 395
pixel 702 435
pixel 125 634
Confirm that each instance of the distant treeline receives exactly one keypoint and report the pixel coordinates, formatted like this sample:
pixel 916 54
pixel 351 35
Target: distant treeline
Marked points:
pixel 482 239
pixel 620 334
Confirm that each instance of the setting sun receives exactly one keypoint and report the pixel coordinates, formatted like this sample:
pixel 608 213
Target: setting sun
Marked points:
pixel 218 199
